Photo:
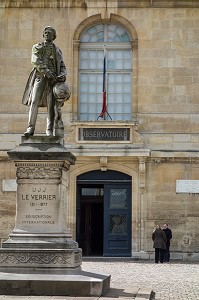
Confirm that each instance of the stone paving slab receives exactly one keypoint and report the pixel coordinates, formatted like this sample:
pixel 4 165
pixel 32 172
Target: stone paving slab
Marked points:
pixel 144 293
pixel 119 293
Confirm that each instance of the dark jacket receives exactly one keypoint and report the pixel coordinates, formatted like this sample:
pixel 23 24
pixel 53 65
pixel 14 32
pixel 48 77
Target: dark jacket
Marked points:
pixel 168 234
pixel 159 239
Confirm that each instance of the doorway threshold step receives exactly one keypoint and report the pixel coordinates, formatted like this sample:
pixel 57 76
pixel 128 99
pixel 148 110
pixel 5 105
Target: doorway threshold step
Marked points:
pixel 109 258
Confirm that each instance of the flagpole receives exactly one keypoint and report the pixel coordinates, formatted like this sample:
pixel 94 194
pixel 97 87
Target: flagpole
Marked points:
pixel 104 104
pixel 104 100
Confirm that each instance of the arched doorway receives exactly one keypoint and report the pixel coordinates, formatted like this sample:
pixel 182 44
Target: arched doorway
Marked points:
pixel 104 213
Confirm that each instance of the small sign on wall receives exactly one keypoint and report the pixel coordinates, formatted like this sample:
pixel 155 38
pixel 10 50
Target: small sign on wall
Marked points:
pixel 187 186
pixel 9 185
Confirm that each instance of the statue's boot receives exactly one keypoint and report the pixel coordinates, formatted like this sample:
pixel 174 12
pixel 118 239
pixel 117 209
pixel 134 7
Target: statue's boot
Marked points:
pixel 29 131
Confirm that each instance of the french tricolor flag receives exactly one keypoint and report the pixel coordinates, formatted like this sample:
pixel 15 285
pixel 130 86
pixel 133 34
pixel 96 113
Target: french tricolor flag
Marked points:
pixel 104 105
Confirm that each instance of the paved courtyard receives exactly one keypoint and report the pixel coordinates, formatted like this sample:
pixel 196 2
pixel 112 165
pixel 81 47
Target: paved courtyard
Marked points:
pixel 170 281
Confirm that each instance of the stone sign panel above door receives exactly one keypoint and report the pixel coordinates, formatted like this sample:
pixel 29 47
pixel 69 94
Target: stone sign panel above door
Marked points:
pixel 106 132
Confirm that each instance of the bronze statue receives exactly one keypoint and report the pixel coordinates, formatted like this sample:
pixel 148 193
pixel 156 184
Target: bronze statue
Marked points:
pixel 49 69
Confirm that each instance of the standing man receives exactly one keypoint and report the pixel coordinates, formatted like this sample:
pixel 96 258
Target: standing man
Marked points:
pixel 159 243
pixel 49 69
pixel 168 234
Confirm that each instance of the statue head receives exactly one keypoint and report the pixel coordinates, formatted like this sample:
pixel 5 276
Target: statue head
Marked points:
pixel 49 28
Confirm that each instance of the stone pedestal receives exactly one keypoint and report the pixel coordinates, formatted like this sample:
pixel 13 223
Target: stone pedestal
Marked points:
pixel 40 248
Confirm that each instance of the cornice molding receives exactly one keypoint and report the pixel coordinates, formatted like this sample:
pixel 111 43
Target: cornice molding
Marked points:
pixel 84 4
pixel 158 3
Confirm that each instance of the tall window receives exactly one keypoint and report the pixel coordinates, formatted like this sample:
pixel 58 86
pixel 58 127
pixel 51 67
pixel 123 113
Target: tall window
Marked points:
pixel 113 42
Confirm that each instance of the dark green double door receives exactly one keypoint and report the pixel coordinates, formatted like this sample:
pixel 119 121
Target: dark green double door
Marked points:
pixel 117 220
pixel 104 217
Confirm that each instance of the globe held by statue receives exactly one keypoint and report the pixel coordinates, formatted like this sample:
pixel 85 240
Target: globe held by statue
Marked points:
pixel 61 91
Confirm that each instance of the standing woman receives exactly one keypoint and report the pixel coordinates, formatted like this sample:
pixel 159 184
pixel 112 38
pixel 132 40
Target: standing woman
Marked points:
pixel 159 243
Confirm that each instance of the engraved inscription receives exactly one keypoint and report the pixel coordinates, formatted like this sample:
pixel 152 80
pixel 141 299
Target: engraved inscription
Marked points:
pixel 38 205
pixel 187 186
pixel 104 134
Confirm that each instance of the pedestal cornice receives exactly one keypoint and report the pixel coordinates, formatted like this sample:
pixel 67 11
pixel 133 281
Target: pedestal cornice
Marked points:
pixel 41 148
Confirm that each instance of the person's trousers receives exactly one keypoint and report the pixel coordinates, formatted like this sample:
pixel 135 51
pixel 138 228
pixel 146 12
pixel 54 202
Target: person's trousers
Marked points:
pixel 41 86
pixel 167 253
pixel 159 255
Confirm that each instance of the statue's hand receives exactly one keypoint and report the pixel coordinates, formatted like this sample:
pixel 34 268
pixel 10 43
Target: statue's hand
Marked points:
pixel 61 78
pixel 52 78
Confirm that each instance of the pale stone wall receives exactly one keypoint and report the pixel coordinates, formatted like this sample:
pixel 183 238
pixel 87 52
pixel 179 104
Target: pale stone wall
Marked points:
pixel 180 211
pixel 165 104
pixel 7 200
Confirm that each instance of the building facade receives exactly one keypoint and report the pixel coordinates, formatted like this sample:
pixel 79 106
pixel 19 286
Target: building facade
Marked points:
pixel 137 159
